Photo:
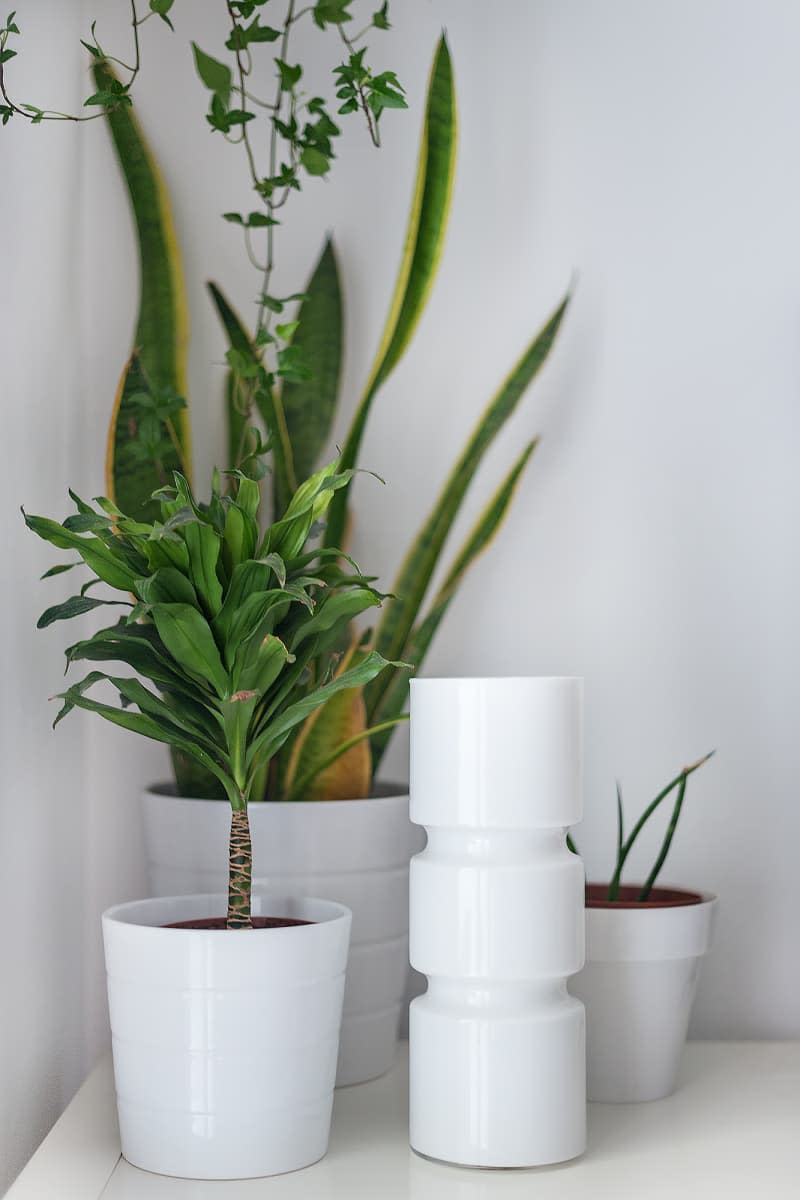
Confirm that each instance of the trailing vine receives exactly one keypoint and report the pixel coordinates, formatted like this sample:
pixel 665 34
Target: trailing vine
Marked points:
pixel 285 138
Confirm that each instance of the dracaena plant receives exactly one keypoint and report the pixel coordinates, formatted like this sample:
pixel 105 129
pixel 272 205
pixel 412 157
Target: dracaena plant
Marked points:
pixel 625 842
pixel 233 629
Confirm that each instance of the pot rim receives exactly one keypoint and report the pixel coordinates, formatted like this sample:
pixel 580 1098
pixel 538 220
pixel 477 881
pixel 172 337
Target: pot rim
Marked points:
pixel 388 794
pixel 676 897
pixel 121 914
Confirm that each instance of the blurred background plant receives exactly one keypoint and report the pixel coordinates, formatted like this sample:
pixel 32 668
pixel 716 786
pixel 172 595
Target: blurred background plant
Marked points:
pixel 283 384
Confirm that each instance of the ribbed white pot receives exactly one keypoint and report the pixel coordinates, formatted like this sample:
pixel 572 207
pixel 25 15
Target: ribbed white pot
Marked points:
pixel 224 1042
pixel 496 1044
pixel 355 852
pixel 638 986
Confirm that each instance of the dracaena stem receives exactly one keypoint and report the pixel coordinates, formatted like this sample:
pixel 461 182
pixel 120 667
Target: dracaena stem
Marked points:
pixel 240 871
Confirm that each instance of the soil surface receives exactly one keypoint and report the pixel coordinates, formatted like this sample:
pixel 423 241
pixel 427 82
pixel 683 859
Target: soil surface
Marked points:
pixel 597 897
pixel 219 923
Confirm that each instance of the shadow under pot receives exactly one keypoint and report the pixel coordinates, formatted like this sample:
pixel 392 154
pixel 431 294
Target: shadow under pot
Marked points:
pixel 638 985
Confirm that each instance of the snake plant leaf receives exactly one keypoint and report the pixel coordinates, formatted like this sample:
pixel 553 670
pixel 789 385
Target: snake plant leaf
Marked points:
pixel 241 435
pixel 413 579
pixel 161 336
pixel 309 404
pixel 625 849
pixel 316 767
pixel 318 784
pixel 479 539
pixel 189 640
pixel 255 390
pixel 427 224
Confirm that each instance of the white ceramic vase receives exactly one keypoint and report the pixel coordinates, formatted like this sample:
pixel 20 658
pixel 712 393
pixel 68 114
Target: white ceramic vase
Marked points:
pixel 354 852
pixel 496 1044
pixel 224 1042
pixel 638 986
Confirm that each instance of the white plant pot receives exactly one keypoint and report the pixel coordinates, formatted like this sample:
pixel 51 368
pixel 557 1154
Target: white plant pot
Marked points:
pixel 638 986
pixel 355 852
pixel 224 1042
pixel 497 1064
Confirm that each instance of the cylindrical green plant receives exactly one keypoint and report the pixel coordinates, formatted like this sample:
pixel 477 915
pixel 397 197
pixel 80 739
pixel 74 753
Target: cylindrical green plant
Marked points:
pixel 234 629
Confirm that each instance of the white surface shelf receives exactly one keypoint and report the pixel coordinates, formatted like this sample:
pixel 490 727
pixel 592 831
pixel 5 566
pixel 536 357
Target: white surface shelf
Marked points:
pixel 731 1130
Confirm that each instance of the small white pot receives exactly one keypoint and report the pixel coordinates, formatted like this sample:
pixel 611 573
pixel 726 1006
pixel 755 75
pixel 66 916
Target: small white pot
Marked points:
pixel 224 1042
pixel 355 852
pixel 638 986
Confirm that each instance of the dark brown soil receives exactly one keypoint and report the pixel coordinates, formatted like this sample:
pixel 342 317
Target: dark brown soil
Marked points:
pixel 219 923
pixel 597 897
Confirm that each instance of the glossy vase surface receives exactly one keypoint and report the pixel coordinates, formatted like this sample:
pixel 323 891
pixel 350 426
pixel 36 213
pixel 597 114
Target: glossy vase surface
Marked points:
pixel 496 922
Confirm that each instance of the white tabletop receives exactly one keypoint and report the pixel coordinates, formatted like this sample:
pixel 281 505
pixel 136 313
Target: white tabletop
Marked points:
pixel 731 1130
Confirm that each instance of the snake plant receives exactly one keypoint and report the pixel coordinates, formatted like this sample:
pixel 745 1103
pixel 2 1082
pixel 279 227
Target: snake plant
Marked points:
pixel 337 751
pixel 234 629
pixel 625 844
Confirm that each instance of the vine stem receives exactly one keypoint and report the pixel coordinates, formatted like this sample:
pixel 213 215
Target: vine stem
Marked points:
pixel 372 124
pixel 273 161
pixel 49 114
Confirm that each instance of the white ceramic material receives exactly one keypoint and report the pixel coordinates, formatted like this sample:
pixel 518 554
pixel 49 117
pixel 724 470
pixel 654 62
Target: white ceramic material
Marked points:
pixel 638 986
pixel 355 852
pixel 224 1042
pixel 497 1056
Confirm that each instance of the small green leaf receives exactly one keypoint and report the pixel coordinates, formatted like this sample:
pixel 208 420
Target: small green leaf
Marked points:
pixel 289 75
pixel 380 19
pixel 215 75
pixel 314 161
pixel 60 568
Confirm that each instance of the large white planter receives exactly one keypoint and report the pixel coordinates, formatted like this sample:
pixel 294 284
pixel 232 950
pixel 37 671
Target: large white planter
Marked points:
pixel 224 1042
pixel 638 985
pixel 497 1063
pixel 355 852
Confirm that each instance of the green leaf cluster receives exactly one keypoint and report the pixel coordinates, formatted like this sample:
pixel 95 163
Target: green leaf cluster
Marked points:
pixel 233 630
pixel 306 407
pixel 626 843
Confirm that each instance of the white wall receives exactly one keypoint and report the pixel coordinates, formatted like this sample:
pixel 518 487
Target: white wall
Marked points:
pixel 651 148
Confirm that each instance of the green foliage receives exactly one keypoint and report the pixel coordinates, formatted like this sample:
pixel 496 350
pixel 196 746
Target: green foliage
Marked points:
pixel 149 435
pixel 285 372
pixel 229 629
pixel 626 844
pixel 424 241
pixel 416 572
pixel 309 404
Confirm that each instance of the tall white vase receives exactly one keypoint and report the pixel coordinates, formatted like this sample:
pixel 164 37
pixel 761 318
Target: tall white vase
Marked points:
pixel 497 1046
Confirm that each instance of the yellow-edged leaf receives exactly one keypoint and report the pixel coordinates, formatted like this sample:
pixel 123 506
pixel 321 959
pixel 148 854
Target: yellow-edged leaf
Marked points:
pixel 161 336
pixel 427 225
